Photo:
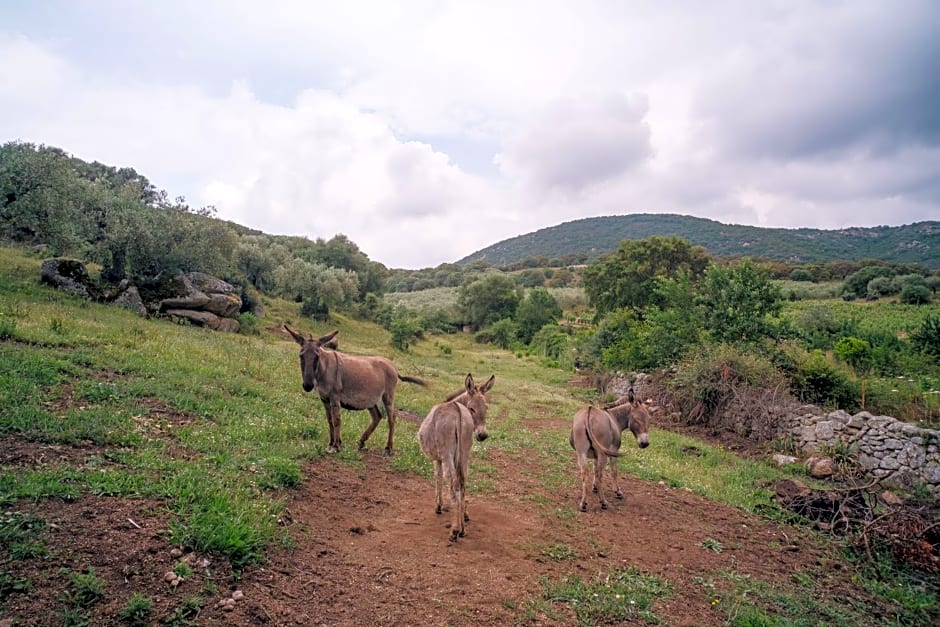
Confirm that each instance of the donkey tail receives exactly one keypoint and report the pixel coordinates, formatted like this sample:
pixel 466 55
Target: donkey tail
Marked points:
pixel 595 441
pixel 407 379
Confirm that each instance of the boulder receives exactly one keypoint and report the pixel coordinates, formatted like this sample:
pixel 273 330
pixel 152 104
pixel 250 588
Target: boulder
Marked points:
pixel 206 319
pixel 130 299
pixel 225 305
pixel 820 467
pixel 69 275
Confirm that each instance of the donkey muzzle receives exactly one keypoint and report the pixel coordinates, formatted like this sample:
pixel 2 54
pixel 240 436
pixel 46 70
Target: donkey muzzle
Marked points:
pixel 643 440
pixel 482 435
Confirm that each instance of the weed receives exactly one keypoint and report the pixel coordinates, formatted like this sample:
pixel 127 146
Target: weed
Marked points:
pixel 137 609
pixel 558 552
pixel 712 545
pixel 86 589
pixel 10 584
pixel 621 595
pixel 186 613
pixel 183 570
pixel 19 533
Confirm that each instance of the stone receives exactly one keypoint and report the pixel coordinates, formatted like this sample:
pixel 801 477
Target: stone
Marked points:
pixel 820 467
pixel 130 299
pixel 69 275
pixel 890 498
pixel 783 460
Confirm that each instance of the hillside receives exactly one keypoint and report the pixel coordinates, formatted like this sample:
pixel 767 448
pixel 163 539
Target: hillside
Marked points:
pixel 912 243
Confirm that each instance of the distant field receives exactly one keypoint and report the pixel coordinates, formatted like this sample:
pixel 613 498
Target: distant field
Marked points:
pixel 571 299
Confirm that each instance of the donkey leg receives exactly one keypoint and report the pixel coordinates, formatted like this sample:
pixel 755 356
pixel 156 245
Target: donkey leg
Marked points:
pixel 582 474
pixel 599 464
pixel 376 417
pixel 438 485
pixel 456 495
pixel 337 432
pixel 332 448
pixel 616 477
pixel 390 412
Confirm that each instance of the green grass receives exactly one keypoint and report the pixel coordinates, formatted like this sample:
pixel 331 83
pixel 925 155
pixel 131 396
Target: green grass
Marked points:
pixel 619 595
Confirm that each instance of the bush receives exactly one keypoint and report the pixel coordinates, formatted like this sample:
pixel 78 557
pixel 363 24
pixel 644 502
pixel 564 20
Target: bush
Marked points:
pixel 405 330
pixel 724 387
pixel 927 338
pixel 248 323
pixel 502 333
pixel 913 294
pixel 822 383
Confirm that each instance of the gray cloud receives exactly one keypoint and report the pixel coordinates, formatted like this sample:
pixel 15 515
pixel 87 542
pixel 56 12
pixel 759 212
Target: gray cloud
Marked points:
pixel 837 77
pixel 574 144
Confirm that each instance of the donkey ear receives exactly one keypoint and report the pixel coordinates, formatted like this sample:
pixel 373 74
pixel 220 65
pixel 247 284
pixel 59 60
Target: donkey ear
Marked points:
pixel 297 336
pixel 486 387
pixel 325 340
pixel 630 397
pixel 468 384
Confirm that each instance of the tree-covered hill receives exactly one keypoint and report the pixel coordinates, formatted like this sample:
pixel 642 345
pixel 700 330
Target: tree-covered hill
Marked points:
pixel 586 239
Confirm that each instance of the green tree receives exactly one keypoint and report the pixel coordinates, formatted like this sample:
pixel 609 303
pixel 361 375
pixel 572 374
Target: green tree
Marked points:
pixel 319 287
pixel 537 309
pixel 626 277
pixel 856 284
pixel 484 301
pixel 914 294
pixel 736 302
pixel 927 337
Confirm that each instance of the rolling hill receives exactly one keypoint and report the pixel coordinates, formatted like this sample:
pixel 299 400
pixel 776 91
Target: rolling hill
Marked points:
pixel 911 243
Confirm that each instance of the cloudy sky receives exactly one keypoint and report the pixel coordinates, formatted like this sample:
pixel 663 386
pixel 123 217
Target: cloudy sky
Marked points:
pixel 426 130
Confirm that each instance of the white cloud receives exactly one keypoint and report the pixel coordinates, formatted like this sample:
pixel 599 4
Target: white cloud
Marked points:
pixel 368 118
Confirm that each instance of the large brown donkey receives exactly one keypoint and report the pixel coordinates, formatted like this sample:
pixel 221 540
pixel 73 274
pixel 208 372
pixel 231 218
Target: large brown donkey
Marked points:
pixel 349 382
pixel 445 437
pixel 596 434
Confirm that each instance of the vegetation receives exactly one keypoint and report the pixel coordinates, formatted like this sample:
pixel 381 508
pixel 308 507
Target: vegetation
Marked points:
pixel 588 239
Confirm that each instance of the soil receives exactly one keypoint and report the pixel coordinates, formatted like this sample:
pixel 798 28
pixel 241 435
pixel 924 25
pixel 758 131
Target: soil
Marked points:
pixel 369 550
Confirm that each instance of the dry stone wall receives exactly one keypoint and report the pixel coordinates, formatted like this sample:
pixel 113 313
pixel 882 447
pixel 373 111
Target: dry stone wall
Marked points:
pixel 897 453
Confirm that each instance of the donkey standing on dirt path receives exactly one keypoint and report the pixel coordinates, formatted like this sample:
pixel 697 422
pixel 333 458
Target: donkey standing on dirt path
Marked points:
pixel 596 433
pixel 445 437
pixel 349 382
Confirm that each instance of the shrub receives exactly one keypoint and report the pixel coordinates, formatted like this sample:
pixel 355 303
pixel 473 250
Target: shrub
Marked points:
pixel 405 330
pixel 820 382
pixel 913 294
pixel 248 323
pixel 502 333
pixel 927 337
pixel 723 386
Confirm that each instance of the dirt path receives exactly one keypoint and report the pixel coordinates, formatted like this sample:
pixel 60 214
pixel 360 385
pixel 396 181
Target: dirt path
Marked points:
pixel 371 551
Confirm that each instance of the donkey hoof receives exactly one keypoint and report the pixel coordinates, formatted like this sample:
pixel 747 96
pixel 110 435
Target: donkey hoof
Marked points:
pixel 388 453
pixel 332 449
pixel 604 505
pixel 466 518
pixel 619 495
pixel 453 536
pixel 583 507
pixel 594 489
pixel 462 533
pixel 438 510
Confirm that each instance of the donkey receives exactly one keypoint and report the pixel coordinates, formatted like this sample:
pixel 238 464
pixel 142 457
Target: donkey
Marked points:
pixel 596 433
pixel 349 382
pixel 445 437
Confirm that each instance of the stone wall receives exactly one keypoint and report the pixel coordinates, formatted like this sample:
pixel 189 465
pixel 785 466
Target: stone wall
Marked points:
pixel 897 453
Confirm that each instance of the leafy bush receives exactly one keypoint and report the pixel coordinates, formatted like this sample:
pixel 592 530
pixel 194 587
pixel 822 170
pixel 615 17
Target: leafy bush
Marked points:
pixel 502 333
pixel 723 386
pixel 822 383
pixel 913 294
pixel 248 323
pixel 927 337
pixel 405 329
